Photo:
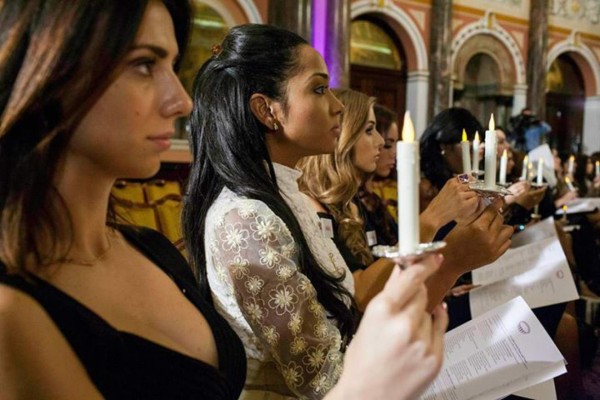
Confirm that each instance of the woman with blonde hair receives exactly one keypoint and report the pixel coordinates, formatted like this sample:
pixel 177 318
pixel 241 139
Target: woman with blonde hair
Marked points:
pixel 332 181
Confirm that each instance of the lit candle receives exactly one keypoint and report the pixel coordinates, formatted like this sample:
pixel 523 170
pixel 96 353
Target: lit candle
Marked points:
pixel 407 164
pixel 490 155
pixel 466 153
pixel 540 172
pixel 569 184
pixel 524 168
pixel 529 171
pixel 564 208
pixel 597 168
pixel 571 168
pixel 503 163
pixel 476 142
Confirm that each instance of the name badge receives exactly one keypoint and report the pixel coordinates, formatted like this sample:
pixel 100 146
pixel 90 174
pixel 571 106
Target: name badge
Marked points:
pixel 327 228
pixel 372 238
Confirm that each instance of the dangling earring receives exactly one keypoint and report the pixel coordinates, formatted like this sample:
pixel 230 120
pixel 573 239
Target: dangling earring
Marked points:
pixel 443 152
pixel 275 126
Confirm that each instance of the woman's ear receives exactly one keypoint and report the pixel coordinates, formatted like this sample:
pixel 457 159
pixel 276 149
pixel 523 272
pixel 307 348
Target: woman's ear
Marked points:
pixel 262 109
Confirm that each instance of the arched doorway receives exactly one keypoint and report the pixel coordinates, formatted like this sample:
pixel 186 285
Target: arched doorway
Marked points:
pixel 378 62
pixel 484 79
pixel 565 100
pixel 481 92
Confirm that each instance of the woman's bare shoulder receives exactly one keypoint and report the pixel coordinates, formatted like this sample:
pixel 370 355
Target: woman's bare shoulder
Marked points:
pixel 31 345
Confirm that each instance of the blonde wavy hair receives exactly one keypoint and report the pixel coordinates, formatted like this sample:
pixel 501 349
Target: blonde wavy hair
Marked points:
pixel 334 180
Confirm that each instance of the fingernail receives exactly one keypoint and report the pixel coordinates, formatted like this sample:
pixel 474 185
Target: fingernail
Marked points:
pixel 444 305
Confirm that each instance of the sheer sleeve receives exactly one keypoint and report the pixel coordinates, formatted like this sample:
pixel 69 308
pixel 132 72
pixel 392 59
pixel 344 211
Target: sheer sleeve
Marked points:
pixel 254 251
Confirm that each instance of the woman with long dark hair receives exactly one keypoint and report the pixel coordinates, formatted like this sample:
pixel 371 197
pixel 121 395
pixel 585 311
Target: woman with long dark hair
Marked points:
pixel 262 102
pixel 90 309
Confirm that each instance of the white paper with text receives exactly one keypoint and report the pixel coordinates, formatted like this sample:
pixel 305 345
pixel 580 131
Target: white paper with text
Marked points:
pixel 498 353
pixel 540 274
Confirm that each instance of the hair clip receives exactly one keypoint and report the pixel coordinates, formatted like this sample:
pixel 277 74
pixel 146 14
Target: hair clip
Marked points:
pixel 216 49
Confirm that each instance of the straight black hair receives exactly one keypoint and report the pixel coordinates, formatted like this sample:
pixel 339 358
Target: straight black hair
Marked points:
pixel 229 148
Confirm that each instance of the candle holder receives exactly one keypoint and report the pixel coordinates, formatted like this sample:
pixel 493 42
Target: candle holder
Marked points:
pixel 476 173
pixel 406 259
pixel 495 191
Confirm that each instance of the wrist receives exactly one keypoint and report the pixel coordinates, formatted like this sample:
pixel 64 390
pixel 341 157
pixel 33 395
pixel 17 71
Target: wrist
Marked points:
pixel 429 225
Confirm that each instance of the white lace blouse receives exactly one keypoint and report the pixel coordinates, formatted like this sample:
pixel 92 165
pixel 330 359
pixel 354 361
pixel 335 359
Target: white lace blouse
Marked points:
pixel 256 284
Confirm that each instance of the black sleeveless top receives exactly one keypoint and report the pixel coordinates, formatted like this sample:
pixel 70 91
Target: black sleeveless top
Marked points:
pixel 126 366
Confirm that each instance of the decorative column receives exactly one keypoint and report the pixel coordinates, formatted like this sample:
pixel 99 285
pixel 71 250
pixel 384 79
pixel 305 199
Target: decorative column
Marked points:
pixel 591 124
pixel 294 15
pixel 440 69
pixel 519 98
pixel 331 38
pixel 537 55
pixel 417 88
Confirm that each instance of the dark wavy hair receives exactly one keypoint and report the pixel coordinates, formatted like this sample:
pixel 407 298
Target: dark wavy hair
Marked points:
pixel 385 117
pixel 229 149
pixel 57 57
pixel 445 128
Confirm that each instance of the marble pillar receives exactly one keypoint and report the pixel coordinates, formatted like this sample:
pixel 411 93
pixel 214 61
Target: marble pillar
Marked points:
pixel 519 98
pixel 331 37
pixel 417 88
pixel 591 125
pixel 295 15
pixel 537 54
pixel 440 68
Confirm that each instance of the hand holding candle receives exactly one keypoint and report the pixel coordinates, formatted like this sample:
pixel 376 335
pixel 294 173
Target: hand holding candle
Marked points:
pixel 503 164
pixel 466 153
pixel 476 143
pixel 490 155
pixel 524 168
pixel 407 164
pixel 569 184
pixel 571 165
pixel 540 172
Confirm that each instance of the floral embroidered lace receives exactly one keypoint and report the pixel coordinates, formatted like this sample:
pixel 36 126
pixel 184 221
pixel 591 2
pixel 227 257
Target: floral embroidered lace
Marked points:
pixel 256 283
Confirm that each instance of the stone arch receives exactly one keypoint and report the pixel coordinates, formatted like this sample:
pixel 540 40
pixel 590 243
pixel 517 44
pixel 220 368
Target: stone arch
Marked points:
pixel 583 58
pixel 490 46
pixel 224 7
pixel 487 29
pixel 406 30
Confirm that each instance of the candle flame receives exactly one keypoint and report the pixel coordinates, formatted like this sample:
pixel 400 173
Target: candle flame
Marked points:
pixel 477 136
pixel 464 135
pixel 504 155
pixel 565 208
pixel 408 130
pixel 491 125
pixel 567 180
pixel 572 158
pixel 598 163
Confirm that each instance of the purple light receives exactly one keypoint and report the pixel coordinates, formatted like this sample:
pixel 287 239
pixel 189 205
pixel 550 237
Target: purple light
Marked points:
pixel 319 19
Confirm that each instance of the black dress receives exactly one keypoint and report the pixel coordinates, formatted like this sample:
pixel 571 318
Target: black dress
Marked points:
pixel 126 366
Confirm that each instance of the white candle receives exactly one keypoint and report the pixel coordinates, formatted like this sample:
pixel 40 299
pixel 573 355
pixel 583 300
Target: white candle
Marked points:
pixel 569 184
pixel 407 164
pixel 524 168
pixel 571 168
pixel 540 172
pixel 476 142
pixel 597 168
pixel 466 153
pixel 503 163
pixel 529 171
pixel 490 155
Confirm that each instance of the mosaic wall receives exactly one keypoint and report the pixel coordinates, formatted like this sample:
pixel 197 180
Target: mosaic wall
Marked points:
pixel 587 10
